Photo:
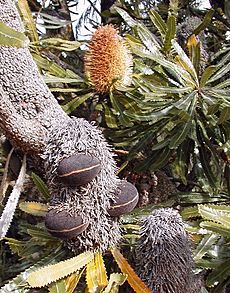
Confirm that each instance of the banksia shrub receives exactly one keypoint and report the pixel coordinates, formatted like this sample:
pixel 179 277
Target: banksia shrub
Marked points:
pixel 163 254
pixel 108 62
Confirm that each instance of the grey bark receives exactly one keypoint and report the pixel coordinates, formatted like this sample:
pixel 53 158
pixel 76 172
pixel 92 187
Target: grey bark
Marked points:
pixel 25 91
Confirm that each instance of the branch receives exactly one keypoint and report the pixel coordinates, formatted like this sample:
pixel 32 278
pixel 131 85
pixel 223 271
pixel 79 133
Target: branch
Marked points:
pixel 26 134
pixel 28 98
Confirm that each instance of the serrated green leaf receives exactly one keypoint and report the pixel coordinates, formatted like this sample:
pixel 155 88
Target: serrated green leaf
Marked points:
pixel 115 281
pixel 110 118
pixel 41 186
pixel 186 63
pixel 212 109
pixel 205 162
pixel 134 281
pixel 127 18
pixel 72 281
pixel 34 208
pixel 58 44
pixel 48 65
pixel 204 246
pixel 216 228
pixel 58 287
pixel 11 37
pixel 224 115
pixel 56 79
pixel 91 277
pixel 190 212
pixel 20 281
pixel 101 270
pixel 223 84
pixel 196 198
pixel 219 274
pixel 180 135
pixel 207 19
pixel 213 214
pixel 148 40
pixel 76 102
pixel 224 69
pixel 159 23
pixel 28 20
pixel 52 273
pixel 157 160
pixel 170 33
pixel 194 52
pixel 206 74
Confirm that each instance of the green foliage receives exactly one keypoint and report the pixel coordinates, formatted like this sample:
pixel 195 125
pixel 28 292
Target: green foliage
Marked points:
pixel 11 37
pixel 212 251
pixel 175 108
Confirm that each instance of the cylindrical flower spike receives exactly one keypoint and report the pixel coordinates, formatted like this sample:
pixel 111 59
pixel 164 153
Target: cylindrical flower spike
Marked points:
pixel 108 62
pixel 163 254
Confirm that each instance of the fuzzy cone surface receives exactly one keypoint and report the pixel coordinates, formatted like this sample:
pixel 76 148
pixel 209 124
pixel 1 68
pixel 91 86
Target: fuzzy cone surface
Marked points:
pixel 108 61
pixel 163 255
pixel 92 200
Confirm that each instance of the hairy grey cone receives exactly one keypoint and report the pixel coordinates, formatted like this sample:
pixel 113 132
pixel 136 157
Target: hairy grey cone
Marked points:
pixel 92 200
pixel 163 254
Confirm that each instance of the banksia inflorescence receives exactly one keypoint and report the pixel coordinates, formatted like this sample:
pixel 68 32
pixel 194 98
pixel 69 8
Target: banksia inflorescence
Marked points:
pixel 108 61
pixel 163 255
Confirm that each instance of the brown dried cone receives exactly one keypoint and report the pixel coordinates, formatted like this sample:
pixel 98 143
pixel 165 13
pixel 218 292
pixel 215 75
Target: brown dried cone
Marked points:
pixel 108 61
pixel 163 254
pixel 92 200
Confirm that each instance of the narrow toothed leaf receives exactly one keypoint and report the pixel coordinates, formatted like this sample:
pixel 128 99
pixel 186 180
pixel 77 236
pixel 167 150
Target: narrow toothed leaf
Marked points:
pixel 58 287
pixel 52 273
pixel 134 281
pixel 204 246
pixel 28 20
pixel 101 270
pixel 34 208
pixel 91 277
pixel 72 281
pixel 11 37
pixel 41 186
pixel 115 281
pixel 9 210
pixel 20 280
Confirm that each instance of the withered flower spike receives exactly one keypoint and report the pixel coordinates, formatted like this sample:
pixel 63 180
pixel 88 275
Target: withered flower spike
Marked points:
pixel 108 62
pixel 163 255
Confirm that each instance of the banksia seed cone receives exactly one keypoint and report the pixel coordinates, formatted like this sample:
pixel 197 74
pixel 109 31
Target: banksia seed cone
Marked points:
pixel 108 62
pixel 87 204
pixel 163 255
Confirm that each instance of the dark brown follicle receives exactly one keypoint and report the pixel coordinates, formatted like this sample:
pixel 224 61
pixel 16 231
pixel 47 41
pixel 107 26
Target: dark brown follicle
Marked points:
pixel 126 198
pixel 78 169
pixel 63 225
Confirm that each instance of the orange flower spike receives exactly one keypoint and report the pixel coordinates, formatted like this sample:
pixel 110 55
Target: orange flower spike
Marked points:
pixel 108 62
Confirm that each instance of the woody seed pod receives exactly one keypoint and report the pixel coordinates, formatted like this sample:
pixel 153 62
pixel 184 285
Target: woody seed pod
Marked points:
pixel 78 169
pixel 126 198
pixel 63 225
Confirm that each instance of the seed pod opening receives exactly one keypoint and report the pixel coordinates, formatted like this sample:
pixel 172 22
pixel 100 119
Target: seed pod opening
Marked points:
pixel 63 225
pixel 126 198
pixel 78 169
